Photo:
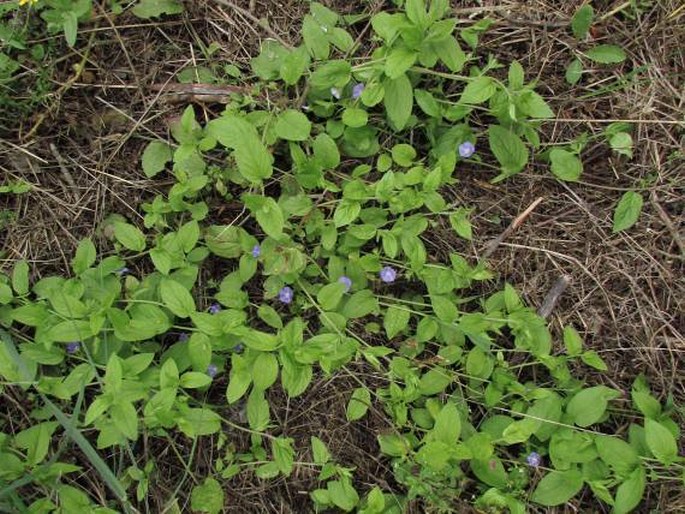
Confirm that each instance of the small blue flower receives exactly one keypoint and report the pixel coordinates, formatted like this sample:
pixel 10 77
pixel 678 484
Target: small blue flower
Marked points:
pixel 286 294
pixel 123 271
pixel 388 274
pixel 347 281
pixel 214 308
pixel 183 337
pixel 256 251
pixel 357 90
pixel 466 149
pixel 73 347
pixel 212 370
pixel 534 459
pixel 336 93
pixel 239 348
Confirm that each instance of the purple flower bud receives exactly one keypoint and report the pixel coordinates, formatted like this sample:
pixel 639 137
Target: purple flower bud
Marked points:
pixel 183 337
pixel 388 274
pixel 214 308
pixel 256 251
pixel 212 370
pixel 534 459
pixel 336 93
pixel 286 294
pixel 123 271
pixel 466 149
pixel 73 347
pixel 347 281
pixel 357 90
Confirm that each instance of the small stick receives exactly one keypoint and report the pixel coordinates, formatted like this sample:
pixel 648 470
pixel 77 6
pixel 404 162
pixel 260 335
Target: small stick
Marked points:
pixel 65 172
pixel 669 224
pixel 553 295
pixel 492 245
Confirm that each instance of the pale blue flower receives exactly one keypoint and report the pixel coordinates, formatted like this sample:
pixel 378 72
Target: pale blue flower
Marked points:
pixel 212 370
pixel 347 281
pixel 286 294
pixel 466 149
pixel 357 90
pixel 183 337
pixel 336 93
pixel 256 251
pixel 388 274
pixel 73 347
pixel 534 459
pixel 215 308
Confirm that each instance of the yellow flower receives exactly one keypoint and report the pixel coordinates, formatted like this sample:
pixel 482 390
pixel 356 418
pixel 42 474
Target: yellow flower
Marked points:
pixel 24 2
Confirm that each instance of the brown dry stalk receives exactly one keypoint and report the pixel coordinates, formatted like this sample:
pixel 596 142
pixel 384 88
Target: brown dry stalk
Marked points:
pixel 492 245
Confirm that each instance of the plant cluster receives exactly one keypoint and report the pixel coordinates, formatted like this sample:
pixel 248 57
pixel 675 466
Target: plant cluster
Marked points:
pixel 336 167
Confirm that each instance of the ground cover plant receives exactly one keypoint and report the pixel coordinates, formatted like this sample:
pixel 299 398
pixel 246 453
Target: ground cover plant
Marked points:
pixel 285 261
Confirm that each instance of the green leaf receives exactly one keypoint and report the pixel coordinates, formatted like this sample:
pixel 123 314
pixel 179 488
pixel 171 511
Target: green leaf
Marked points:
pixel 146 9
pixel 591 358
pixel 194 379
pixel 292 125
pixel 252 157
pixel 342 494
pixel 447 425
pixel 329 296
pixel 399 60
pixel 398 101
pixel 574 72
pixel 606 54
pixel 403 154
pixel 572 341
pixel 71 330
pixel 358 405
pixel 478 90
pixel 265 371
pixel 284 454
pixel 257 410
pixel 208 497
pixel 346 212
pixel 70 27
pixel 125 418
pixel 565 165
pixel 508 148
pixel 155 157
pixel 558 487
pixel 618 454
pixel 661 442
pixel 461 224
pixel 331 74
pixel 355 117
pixel 629 493
pixel 326 151
pixel 36 440
pixel 581 21
pixel 395 321
pixel 176 298
pixel 319 450
pixel 85 256
pixel 627 211
pixel 315 38
pixel 20 277
pixel 267 212
pixel 238 383
pixel 588 406
pixel 294 65
pixel 427 103
pixel 533 105
pixel 129 236
pixel 622 143
pixel 434 381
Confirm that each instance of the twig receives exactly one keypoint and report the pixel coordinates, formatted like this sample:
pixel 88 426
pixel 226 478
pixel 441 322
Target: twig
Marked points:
pixel 64 170
pixel 492 245
pixel 553 295
pixel 667 221
pixel 257 21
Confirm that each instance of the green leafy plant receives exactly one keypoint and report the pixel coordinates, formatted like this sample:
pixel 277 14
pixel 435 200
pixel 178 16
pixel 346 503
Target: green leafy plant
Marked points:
pixel 337 179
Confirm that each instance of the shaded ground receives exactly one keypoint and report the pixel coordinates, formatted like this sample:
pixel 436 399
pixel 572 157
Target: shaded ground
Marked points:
pixel 81 149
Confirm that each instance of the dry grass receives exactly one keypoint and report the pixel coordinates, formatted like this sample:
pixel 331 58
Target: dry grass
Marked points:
pixel 81 151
